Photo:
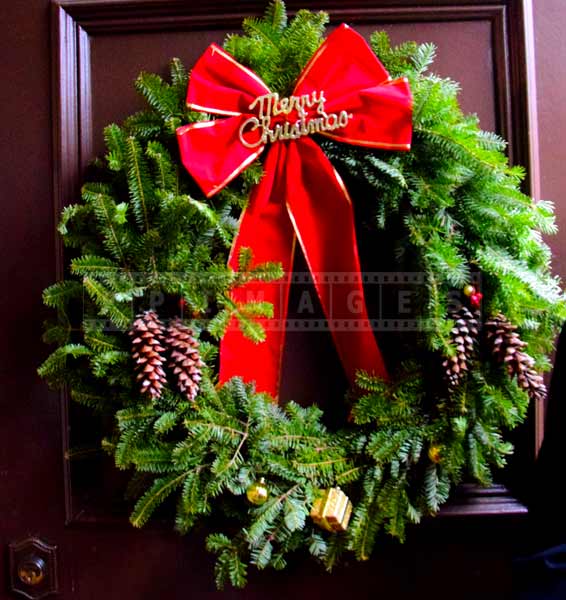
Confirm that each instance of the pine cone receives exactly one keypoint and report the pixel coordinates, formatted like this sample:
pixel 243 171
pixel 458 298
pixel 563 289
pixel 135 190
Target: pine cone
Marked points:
pixel 464 336
pixel 147 336
pixel 185 361
pixel 508 348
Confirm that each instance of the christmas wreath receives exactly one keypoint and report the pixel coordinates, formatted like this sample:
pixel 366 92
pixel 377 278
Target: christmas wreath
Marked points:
pixel 198 202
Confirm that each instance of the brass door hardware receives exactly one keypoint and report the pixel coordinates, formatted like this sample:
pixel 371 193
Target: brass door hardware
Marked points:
pixel 33 568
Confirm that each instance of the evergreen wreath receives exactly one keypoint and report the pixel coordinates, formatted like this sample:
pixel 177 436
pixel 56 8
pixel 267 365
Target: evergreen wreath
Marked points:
pixel 450 207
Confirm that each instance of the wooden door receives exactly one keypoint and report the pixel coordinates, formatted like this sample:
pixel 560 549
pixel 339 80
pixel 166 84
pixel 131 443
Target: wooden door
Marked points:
pixel 68 68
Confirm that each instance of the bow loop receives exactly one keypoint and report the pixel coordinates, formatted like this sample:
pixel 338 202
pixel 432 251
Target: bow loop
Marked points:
pixel 211 169
pixel 356 81
pixel 220 85
pixel 344 63
pixel 369 128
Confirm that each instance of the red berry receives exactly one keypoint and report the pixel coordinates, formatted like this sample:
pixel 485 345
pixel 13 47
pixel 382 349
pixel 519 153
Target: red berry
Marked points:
pixel 475 299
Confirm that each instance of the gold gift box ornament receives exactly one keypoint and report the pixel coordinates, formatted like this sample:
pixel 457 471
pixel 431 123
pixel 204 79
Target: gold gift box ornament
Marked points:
pixel 332 510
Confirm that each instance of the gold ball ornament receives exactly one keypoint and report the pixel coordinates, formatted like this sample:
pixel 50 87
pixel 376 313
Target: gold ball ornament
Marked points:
pixel 435 453
pixel 257 493
pixel 469 290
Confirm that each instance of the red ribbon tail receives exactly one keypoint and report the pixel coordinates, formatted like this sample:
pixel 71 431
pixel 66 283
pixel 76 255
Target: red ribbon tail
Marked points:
pixel 323 218
pixel 266 229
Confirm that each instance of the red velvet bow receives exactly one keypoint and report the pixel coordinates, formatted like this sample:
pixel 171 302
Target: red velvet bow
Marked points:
pixel 301 195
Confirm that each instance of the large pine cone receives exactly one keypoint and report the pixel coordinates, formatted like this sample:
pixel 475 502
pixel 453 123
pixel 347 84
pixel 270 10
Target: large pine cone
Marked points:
pixel 508 348
pixel 147 337
pixel 185 361
pixel 464 337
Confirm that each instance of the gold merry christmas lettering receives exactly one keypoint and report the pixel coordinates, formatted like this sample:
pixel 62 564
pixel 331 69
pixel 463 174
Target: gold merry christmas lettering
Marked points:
pixel 270 106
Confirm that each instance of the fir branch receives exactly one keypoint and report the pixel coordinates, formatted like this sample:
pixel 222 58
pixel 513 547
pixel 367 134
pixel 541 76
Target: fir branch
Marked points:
pixel 105 210
pixel 161 489
pixel 120 315
pixel 139 182
pixel 60 294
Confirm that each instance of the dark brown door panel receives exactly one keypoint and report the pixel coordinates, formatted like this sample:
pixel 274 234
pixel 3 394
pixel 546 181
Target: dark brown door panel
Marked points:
pixel 68 69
